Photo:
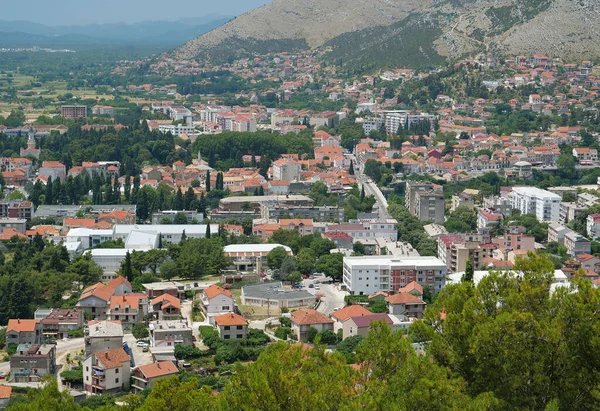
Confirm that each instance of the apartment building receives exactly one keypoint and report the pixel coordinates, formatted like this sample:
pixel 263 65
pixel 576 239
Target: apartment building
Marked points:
pixel 170 333
pixel 73 112
pixel 102 336
pixel 593 226
pixel 107 372
pixel 248 257
pixel 22 210
pixel 24 332
pixel 361 230
pixel 368 275
pixel 32 361
pixel 455 250
pixel 487 218
pixel 425 201
pixel 145 376
pixel 532 200
pixel 576 243
pixel 231 326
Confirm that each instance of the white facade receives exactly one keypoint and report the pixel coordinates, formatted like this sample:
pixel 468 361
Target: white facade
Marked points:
pixel 171 233
pixel 367 275
pixel 531 200
pixel 88 237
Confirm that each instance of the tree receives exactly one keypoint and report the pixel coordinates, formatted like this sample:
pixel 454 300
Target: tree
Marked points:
pixel 168 270
pixel 379 306
pixel 351 170
pixel 179 218
pixel 462 220
pixel 207 234
pixel 305 261
pixel 373 169
pixel 468 275
pixel 331 264
pixel 127 270
pixel 207 181
pixel 358 248
pixel 311 334
pixel 139 331
pixel 276 256
pixel 199 257
pixel 86 270
pixel 566 166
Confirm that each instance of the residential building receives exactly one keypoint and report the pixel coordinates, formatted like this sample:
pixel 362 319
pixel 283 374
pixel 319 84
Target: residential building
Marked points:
pixel 95 299
pixel 54 170
pixel 173 288
pixel 88 238
pixel 170 333
pixel 589 262
pixel 593 226
pixel 107 372
pixel 532 200
pixel 231 326
pixel 286 169
pixel 126 308
pixel 516 240
pixel 367 275
pixel 216 300
pixel 425 201
pixel 407 304
pixel 256 202
pixel 488 217
pixel 367 229
pixel 341 239
pixel 165 307
pixel 73 112
pixel 102 336
pixel 19 225
pixel 5 393
pixel 170 233
pixel 60 321
pixel 160 217
pixel 32 361
pixel 556 233
pixel 435 231
pixel 456 250
pixel 271 211
pixel 576 243
pixel 361 325
pixel 24 332
pixel 120 285
pixel 462 200
pixel 22 210
pixel 340 316
pixel 328 119
pixel 276 296
pixel 584 154
pixel 304 319
pixel 249 257
pixel 145 376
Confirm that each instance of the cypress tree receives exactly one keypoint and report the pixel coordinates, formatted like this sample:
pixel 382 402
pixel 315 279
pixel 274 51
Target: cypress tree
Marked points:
pixel 351 170
pixel 207 182
pixel 207 231
pixel 469 272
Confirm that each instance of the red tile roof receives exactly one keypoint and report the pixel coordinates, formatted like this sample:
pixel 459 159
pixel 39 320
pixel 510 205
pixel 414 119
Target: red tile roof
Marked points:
pixel 404 298
pixel 158 369
pixel 113 358
pixel 27 326
pixel 310 316
pixel 230 319
pixel 350 311
pixel 5 391
pixel 214 290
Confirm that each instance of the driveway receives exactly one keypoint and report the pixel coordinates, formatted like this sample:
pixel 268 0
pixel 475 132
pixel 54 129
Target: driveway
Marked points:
pixel 331 296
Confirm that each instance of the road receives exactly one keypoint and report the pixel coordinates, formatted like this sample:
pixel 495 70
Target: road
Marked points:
pixel 372 189
pixel 332 296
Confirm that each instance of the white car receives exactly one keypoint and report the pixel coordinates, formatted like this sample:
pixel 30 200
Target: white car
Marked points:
pixel 142 343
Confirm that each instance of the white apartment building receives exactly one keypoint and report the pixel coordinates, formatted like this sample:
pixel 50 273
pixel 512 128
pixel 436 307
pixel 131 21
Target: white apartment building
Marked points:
pixel 531 200
pixel 176 129
pixel 593 226
pixel 367 275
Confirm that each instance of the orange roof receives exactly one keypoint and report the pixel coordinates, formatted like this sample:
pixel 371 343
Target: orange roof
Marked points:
pixel 99 290
pixel 123 300
pixel 167 301
pixel 5 391
pixel 158 369
pixel 214 290
pixel 118 281
pixel 118 214
pixel 10 232
pixel 230 319
pixel 20 326
pixel 350 311
pixel 412 286
pixel 310 316
pixel 113 358
pixel 83 222
pixel 404 298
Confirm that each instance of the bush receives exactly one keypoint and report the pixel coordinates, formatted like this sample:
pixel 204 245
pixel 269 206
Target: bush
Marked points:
pixel 256 337
pixel 140 331
pixel 206 330
pixel 187 352
pixel 74 376
pixel 189 294
pixel 78 333
pixel 285 322
pixel 284 310
pixel 2 338
pixel 327 337
pixel 311 334
pixel 283 332
pixel 97 401
pixel 11 348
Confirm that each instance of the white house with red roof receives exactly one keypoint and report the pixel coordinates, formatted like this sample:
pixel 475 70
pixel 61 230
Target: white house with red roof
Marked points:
pixel 488 217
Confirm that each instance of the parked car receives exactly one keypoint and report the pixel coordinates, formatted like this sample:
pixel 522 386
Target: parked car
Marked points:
pixel 311 286
pixel 2 375
pixel 194 339
pixel 145 348
pixel 141 343
pixel 317 286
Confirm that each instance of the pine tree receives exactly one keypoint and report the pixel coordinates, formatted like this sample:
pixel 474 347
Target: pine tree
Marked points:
pixel 261 191
pixel 127 187
pixel 143 206
pixel 207 182
pixel 127 269
pixel 362 194
pixel 178 204
pixel 116 191
pixel 189 198
pixel 351 170
pixel 49 192
pixel 207 231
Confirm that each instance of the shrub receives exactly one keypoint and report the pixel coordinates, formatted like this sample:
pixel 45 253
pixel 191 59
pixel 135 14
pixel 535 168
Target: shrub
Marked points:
pixel 139 331
pixel 284 310
pixel 187 352
pixel 285 322
pixel 283 332
pixel 11 348
pixel 78 333
pixel 311 334
pixel 327 337
pixel 74 376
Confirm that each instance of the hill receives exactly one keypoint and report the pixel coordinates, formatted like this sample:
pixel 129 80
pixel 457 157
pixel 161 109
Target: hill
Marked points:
pixel 407 32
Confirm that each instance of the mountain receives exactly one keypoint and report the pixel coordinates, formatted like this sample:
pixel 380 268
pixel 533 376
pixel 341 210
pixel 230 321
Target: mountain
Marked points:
pixel 163 33
pixel 407 32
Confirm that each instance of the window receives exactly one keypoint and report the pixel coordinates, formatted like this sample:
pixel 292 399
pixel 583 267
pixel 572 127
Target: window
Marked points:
pixel 87 368
pixel 226 328
pixel 239 327
pixel 116 370
pixel 225 308
pixel 239 336
pixel 116 380
pixel 226 337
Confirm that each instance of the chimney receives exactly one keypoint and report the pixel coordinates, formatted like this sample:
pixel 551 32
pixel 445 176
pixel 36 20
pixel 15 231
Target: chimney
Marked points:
pixel 158 365
pixel 106 355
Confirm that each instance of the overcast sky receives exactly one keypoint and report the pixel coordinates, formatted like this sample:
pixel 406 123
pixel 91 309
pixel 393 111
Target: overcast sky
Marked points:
pixel 78 12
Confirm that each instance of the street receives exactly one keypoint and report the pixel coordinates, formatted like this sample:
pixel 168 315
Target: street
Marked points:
pixel 332 296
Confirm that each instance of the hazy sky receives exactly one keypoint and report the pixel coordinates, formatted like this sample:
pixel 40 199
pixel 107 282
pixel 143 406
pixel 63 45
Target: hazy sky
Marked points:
pixel 77 12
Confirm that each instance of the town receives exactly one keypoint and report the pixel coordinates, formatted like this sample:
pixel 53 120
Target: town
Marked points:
pixel 181 226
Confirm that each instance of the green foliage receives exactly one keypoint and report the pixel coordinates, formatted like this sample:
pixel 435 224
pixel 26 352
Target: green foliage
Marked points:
pixel 462 220
pixel 189 352
pixel 283 332
pixel 140 331
pixel 326 337
pixel 285 322
pixel 379 306
pixel 410 230
pixel 78 333
pixel 347 348
pixel 331 265
pixel 2 338
pixel 74 376
pixel 200 257
pixel 276 257
pixel 311 334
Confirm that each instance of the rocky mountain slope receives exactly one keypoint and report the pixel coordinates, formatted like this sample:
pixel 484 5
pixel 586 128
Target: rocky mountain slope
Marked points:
pixel 408 32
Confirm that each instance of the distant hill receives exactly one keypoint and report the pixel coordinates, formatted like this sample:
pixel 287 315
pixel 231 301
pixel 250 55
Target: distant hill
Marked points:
pixel 407 32
pixel 147 33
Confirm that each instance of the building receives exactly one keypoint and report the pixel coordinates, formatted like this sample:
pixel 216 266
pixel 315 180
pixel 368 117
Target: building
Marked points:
pixel 361 230
pixel 340 316
pixel 532 200
pixel 60 321
pixel 585 155
pixel 425 201
pixel 523 169
pixel 255 202
pixel 170 333
pixel 165 307
pixel 5 393
pixel 73 112
pixel 488 218
pixel 32 361
pixel 215 301
pixel 249 257
pixel 173 288
pixel 170 233
pixel 22 210
pixel 456 250
pixel 271 211
pixel 231 326
pixel 407 304
pixel 107 372
pixel 304 319
pixel 276 296
pixel 54 170
pixel 556 233
pixel 341 239
pixel 286 169
pixel 103 336
pixel 361 324
pixel 95 299
pixel 127 308
pixel 24 332
pixel 161 216
pixel 576 243
pixel 462 200
pixel 367 275
pixel 435 231
pixel 593 226
pixel 328 119
pixel 19 225
pixel 145 376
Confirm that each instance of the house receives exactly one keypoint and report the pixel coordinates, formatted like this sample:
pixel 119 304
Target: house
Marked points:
pixel 62 320
pixel 304 319
pixel 120 285
pixel 102 336
pixel 170 333
pixel 585 154
pixel 216 300
pixel 414 288
pixel 107 372
pixel 247 257
pixel 488 218
pixel 126 308
pixel 589 262
pixel 231 326
pixel 95 299
pixel 593 226
pixel 361 324
pixel 5 392
pixel 340 316
pixel 407 304
pixel 145 376
pixel 165 307
pixel 53 169
pixel 275 296
pixel 32 361
pixel 24 332
pixel 576 243
pixel 173 288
